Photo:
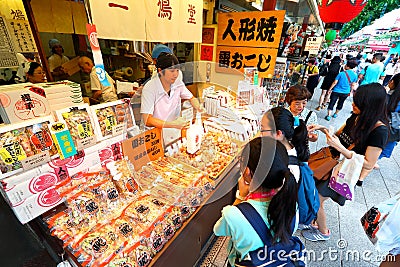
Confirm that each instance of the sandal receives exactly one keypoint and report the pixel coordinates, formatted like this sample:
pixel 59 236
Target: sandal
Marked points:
pixel 315 235
pixel 318 108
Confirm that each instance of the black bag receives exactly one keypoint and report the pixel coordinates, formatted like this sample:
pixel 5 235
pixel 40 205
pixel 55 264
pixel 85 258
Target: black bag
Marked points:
pixel 394 135
pixel 323 70
pixel 271 255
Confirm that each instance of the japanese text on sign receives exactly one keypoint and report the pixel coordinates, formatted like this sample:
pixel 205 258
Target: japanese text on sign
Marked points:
pixel 236 58
pixel 7 53
pixel 21 36
pixel 143 148
pixel 255 29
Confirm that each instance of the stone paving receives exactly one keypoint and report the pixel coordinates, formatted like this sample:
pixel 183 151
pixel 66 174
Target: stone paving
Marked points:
pixel 348 246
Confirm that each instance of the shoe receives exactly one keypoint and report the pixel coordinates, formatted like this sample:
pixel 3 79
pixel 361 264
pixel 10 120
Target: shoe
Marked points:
pixel 334 115
pixel 328 118
pixel 302 227
pixel 315 235
pixel 318 108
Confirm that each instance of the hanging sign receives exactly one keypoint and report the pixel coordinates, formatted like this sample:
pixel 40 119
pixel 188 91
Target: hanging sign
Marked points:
pixel 21 36
pixel 313 44
pixel 97 58
pixel 249 39
pixel 233 59
pixel 250 29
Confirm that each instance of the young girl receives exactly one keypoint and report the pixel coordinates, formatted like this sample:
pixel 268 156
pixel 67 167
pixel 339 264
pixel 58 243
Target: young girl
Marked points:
pixel 268 185
pixel 367 130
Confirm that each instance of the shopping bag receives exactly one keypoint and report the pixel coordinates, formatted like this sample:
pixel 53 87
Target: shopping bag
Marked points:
pixel 321 163
pixel 374 218
pixel 345 175
pixel 388 236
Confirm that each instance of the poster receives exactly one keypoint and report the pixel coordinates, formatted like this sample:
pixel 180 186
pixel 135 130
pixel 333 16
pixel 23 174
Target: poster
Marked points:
pixel 7 53
pixel 21 36
pixel 206 52
pixel 313 44
pixel 232 59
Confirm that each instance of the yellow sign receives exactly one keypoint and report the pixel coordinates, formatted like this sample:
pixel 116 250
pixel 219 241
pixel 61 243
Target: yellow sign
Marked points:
pixel 234 59
pixel 250 29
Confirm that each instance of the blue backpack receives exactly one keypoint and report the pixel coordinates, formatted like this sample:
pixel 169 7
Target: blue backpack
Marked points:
pixel 290 254
pixel 308 199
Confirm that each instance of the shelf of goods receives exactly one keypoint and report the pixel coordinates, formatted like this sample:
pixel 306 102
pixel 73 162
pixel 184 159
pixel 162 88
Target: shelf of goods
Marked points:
pixel 275 85
pixel 147 216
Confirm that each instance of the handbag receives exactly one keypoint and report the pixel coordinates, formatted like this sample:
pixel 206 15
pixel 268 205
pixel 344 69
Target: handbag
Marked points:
pixel 345 175
pixel 322 163
pixel 353 86
pixel 376 218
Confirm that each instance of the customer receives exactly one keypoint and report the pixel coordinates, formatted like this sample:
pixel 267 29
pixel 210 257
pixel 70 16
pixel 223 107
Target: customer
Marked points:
pixel 374 72
pixel 161 99
pixel 333 71
pixel 56 60
pixel 35 73
pixel 278 124
pixel 389 71
pixel 100 92
pixel 367 130
pixel 313 76
pixel 341 88
pixel 267 184
pixel 393 106
pixel 296 97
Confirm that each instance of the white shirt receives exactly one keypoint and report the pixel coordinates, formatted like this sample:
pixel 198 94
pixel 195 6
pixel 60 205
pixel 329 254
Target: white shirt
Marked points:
pixel 108 92
pixel 56 61
pixel 294 169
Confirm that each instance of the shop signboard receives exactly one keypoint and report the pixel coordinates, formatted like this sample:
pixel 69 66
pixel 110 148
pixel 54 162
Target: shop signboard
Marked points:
pixel 249 39
pixel 233 59
pixel 313 44
pixel 143 148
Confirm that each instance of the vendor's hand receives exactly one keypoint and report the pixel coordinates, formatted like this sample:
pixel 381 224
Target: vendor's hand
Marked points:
pixel 244 187
pixel 180 123
pixel 201 109
pixel 312 137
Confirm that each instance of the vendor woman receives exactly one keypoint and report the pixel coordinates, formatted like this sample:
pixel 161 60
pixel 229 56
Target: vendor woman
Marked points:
pixel 161 99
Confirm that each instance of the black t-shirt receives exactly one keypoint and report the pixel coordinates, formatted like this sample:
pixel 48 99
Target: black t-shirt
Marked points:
pixel 377 138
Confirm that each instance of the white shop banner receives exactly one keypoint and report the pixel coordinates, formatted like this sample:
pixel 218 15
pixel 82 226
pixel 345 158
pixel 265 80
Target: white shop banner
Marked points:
pixel 119 19
pixel 162 20
pixel 190 21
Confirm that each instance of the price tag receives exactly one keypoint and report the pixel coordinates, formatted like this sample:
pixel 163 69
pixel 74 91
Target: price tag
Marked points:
pixel 118 129
pixel 86 142
pixel 35 160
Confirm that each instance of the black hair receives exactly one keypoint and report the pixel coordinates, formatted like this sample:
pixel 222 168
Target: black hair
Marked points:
pixel 271 169
pixel 378 56
pixel 395 97
pixel 312 60
pixel 329 56
pixel 166 60
pixel 367 96
pixel 32 67
pixel 352 63
pixel 336 59
pixel 298 137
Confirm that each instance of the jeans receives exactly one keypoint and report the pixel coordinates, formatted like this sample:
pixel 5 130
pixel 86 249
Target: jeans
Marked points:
pixel 334 97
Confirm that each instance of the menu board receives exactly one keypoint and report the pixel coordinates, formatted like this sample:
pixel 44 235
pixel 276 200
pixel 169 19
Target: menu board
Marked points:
pixel 21 36
pixel 8 57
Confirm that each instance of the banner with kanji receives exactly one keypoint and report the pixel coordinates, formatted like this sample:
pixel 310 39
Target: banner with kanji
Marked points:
pixel 119 19
pixel 249 39
pixel 190 21
pixel 232 59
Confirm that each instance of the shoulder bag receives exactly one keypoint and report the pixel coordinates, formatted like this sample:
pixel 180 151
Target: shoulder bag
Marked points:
pixel 322 163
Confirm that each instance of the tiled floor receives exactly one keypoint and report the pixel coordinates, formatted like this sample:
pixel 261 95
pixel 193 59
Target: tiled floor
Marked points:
pixel 348 246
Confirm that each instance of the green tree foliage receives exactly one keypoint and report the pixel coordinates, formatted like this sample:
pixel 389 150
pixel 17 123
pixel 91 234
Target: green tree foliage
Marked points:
pixel 373 10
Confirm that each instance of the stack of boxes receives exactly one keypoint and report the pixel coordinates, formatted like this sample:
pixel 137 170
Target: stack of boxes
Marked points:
pixel 63 94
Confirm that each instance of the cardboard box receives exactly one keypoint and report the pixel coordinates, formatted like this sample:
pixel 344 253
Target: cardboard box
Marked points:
pixel 71 101
pixel 37 204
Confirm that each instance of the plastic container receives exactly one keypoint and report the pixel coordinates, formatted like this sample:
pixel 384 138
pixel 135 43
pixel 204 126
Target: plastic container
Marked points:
pixel 194 135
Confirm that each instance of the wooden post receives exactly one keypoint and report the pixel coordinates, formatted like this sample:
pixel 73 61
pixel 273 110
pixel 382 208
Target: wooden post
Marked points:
pixel 39 45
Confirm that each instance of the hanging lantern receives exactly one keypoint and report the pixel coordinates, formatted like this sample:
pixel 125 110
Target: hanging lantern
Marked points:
pixel 394 45
pixel 337 12
pixel 330 36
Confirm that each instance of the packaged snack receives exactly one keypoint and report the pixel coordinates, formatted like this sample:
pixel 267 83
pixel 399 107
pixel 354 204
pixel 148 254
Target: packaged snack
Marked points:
pixel 40 138
pixel 146 210
pixel 14 147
